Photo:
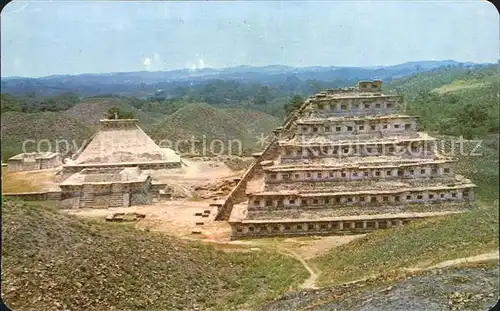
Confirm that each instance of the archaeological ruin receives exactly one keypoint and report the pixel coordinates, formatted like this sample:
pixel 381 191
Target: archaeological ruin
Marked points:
pixel 106 187
pixel 121 143
pixel 120 166
pixel 114 168
pixel 34 161
pixel 347 161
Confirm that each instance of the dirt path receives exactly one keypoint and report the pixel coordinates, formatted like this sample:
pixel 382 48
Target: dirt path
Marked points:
pixel 310 283
pixel 459 261
pixel 444 264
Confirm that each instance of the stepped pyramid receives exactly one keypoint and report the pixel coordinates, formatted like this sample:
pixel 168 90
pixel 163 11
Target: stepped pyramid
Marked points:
pixel 123 141
pixel 108 172
pixel 346 162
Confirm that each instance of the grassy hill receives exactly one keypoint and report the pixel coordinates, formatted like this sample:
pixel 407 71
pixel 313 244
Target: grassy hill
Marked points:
pixel 18 127
pixel 255 121
pixel 460 85
pixel 91 110
pixel 470 111
pixel 202 121
pixel 52 261
pixel 454 101
pixel 413 85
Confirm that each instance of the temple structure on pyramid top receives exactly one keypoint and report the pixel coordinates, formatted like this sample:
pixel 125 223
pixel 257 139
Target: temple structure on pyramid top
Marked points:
pixel 347 161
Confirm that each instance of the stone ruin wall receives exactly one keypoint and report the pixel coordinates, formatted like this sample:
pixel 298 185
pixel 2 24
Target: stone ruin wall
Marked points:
pixel 404 149
pixel 370 86
pixel 35 196
pixel 33 164
pixel 51 163
pixel 118 124
pixel 18 166
pixel 68 170
pixel 365 129
pixel 338 204
pixel 106 195
pixel 422 171
pixel 102 178
pixel 311 227
pixel 364 106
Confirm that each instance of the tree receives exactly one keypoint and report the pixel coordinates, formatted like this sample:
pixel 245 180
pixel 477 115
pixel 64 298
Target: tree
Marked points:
pixel 293 105
pixel 262 96
pixel 471 118
pixel 9 103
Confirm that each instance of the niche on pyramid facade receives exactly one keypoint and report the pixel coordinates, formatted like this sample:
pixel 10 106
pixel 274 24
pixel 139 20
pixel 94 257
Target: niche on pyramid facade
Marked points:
pixel 348 161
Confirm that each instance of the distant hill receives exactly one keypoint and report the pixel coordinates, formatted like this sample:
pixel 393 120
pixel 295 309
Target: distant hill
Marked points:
pixel 427 81
pixel 91 110
pixel 52 261
pixel 142 83
pixel 454 100
pixel 202 121
pixel 18 127
pixel 256 122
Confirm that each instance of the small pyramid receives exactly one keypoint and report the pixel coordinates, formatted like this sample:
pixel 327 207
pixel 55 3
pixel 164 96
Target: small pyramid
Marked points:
pixel 123 141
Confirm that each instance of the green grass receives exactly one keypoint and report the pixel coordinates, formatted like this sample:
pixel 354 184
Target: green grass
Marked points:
pixel 460 85
pixel 51 260
pixel 265 277
pixel 411 86
pixel 423 242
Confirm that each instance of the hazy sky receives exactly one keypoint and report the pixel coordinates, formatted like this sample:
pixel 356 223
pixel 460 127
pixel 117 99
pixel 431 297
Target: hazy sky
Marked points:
pixel 61 37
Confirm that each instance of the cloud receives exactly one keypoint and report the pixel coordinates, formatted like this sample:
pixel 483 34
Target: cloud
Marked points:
pixel 147 63
pixel 153 62
pixel 199 64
